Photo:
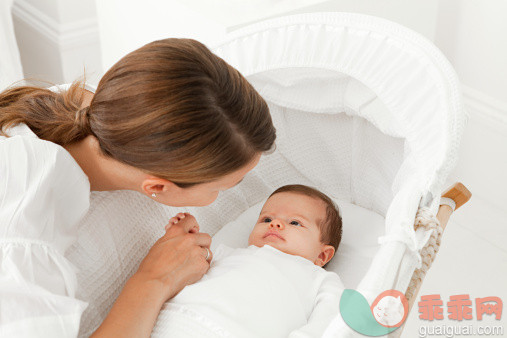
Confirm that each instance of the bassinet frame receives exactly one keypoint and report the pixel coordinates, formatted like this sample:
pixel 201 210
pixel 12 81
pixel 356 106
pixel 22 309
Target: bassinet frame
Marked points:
pixel 460 195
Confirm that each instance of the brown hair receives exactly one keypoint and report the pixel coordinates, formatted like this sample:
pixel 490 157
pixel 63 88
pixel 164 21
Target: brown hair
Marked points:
pixel 331 225
pixel 170 108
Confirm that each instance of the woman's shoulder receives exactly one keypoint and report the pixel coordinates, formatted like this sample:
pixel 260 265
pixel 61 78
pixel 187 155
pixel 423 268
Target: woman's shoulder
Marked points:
pixel 25 156
pixel 44 194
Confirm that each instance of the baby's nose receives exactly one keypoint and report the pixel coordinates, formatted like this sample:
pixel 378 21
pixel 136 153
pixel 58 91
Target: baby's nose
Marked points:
pixel 276 224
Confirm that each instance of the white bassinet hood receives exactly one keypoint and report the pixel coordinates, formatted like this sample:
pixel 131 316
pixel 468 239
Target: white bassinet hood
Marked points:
pixel 358 64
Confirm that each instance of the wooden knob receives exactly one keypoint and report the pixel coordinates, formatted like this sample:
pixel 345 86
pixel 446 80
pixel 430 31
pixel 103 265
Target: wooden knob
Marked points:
pixel 458 193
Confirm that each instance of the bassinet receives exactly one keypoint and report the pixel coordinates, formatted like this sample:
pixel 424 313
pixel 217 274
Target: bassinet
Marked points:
pixel 365 110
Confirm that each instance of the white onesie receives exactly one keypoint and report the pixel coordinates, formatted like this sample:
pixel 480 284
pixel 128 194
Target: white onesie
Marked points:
pixel 254 292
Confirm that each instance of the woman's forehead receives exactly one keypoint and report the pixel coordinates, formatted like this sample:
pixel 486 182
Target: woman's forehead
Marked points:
pixel 234 178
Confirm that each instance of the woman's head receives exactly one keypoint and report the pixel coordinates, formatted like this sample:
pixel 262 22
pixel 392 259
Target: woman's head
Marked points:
pixel 172 109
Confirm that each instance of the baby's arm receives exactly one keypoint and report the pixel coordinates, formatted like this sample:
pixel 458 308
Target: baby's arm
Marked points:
pixel 326 308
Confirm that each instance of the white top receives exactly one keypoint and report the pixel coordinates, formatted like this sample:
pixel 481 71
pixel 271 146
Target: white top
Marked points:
pixel 43 196
pixel 254 292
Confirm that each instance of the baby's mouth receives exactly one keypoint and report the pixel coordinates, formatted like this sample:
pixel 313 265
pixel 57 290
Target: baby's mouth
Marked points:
pixel 273 234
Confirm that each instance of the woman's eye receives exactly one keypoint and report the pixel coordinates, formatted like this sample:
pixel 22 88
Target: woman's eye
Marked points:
pixel 266 219
pixel 296 223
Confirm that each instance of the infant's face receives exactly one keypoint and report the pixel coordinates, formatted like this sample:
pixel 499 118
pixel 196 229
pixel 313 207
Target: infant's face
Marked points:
pixel 288 222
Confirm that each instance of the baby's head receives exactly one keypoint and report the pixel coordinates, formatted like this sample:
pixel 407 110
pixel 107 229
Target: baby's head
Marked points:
pixel 299 220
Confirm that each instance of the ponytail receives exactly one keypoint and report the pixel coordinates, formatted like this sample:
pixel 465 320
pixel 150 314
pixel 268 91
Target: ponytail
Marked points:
pixel 53 116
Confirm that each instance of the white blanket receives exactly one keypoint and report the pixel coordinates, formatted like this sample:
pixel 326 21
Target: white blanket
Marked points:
pixel 254 292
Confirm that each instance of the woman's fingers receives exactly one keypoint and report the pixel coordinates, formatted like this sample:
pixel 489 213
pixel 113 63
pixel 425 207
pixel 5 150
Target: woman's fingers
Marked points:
pixel 188 227
pixel 197 239
pixel 202 239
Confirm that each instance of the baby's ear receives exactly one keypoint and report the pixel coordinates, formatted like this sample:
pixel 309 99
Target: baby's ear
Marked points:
pixel 326 253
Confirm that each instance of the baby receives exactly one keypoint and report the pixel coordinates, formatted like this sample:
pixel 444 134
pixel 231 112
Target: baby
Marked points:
pixel 276 287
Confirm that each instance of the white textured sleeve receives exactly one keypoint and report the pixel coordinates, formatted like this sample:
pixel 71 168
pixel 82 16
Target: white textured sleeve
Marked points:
pixel 327 306
pixel 43 196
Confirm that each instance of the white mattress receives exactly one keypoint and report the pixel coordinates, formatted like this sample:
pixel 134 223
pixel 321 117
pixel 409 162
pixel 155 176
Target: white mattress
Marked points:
pixel 361 230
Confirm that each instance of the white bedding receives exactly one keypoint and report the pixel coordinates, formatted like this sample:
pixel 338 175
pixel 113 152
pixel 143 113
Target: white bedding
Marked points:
pixel 361 230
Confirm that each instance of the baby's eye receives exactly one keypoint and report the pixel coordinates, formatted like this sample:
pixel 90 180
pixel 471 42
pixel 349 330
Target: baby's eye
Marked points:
pixel 296 223
pixel 266 219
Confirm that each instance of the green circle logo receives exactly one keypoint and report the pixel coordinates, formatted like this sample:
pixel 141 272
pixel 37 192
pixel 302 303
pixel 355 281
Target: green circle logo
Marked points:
pixel 387 312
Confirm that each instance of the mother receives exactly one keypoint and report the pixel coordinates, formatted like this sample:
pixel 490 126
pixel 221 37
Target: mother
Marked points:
pixel 170 120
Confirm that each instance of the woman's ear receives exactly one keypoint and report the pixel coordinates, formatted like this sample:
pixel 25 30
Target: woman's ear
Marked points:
pixel 326 253
pixel 154 185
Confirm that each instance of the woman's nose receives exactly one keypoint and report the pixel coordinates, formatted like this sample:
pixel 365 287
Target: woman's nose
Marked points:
pixel 276 224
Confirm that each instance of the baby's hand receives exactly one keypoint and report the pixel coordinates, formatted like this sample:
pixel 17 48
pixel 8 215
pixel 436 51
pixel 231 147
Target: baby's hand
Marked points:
pixel 180 217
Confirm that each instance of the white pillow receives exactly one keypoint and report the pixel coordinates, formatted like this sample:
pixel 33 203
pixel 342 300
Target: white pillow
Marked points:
pixel 361 229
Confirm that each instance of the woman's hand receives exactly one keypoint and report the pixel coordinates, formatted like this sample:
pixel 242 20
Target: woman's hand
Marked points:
pixel 177 259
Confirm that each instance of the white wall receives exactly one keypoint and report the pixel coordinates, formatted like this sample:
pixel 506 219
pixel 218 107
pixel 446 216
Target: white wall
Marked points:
pixel 57 39
pixel 10 64
pixel 472 34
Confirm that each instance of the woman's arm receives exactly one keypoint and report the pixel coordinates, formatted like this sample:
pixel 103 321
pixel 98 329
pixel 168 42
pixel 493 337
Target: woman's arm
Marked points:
pixel 175 260
pixel 135 311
